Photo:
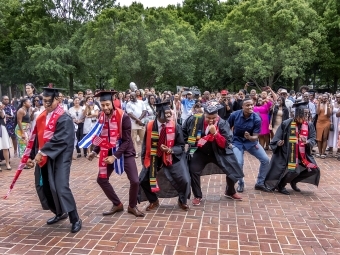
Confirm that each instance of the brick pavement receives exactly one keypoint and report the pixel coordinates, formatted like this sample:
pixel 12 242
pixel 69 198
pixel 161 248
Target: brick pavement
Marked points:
pixel 263 223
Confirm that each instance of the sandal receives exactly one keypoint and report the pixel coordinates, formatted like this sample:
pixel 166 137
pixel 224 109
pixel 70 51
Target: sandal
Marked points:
pixel 323 156
pixel 317 155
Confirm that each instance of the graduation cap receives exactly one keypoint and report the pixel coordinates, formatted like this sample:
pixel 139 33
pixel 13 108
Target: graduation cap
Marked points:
pixel 300 104
pixel 51 92
pixel 163 106
pixel 106 95
pixel 212 106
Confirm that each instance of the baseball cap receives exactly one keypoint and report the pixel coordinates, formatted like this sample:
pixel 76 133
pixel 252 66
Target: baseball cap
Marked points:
pixel 224 92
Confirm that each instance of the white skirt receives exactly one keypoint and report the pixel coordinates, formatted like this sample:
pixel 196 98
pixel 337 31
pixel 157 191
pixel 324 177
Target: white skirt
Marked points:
pixel 4 140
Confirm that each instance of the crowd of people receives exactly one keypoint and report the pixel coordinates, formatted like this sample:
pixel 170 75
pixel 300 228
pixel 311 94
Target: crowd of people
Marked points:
pixel 176 135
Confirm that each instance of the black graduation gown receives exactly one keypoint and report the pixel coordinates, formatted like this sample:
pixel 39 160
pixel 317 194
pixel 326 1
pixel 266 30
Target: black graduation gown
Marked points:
pixel 279 161
pixel 172 180
pixel 226 159
pixel 59 151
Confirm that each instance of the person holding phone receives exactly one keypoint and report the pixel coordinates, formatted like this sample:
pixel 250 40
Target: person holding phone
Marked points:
pixel 37 109
pixel 247 127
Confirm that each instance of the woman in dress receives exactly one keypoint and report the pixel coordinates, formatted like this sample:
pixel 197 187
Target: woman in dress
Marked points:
pixel 77 114
pixel 23 127
pixel 263 108
pixel 91 112
pixel 38 108
pixel 334 135
pixel 4 137
pixel 150 108
pixel 324 111
pixel 279 114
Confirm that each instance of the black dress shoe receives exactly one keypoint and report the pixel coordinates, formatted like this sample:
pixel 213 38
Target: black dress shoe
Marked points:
pixel 284 191
pixel 240 187
pixel 262 188
pixel 294 187
pixel 76 226
pixel 57 218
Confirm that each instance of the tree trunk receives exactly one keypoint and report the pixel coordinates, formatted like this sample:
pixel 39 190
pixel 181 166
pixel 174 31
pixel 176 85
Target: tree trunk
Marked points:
pixel 296 84
pixel 71 84
pixel 335 84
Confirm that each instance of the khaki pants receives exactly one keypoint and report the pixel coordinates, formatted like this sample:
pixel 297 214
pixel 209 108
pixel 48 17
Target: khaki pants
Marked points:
pixel 140 133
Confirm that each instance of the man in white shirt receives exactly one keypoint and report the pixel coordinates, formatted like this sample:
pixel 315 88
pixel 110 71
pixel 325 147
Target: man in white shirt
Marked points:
pixel 136 110
pixel 311 106
pixel 288 102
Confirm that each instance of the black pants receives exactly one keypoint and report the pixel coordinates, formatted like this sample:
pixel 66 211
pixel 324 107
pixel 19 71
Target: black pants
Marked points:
pixel 79 135
pixel 145 184
pixel 196 166
pixel 296 177
pixel 73 215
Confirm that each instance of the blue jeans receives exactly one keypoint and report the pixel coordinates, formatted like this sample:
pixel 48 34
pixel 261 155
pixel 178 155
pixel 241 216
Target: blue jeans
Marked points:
pixel 258 152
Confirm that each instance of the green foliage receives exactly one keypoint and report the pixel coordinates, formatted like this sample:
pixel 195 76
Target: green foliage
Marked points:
pixel 214 45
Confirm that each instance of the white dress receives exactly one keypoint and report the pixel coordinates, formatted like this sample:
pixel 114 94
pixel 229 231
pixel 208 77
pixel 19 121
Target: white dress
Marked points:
pixel 4 139
pixel 334 135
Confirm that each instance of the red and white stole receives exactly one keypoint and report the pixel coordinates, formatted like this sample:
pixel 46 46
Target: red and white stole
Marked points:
pixel 45 133
pixel 107 139
pixel 208 137
pixel 302 147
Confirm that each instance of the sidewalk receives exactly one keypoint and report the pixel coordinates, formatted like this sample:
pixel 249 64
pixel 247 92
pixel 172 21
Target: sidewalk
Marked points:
pixel 263 223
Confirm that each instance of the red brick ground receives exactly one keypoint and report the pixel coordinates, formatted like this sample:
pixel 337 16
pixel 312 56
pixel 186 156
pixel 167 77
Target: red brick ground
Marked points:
pixel 263 223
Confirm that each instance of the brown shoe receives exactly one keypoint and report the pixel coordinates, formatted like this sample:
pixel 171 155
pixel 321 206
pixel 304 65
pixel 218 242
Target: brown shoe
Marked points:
pixel 184 207
pixel 135 211
pixel 114 209
pixel 152 206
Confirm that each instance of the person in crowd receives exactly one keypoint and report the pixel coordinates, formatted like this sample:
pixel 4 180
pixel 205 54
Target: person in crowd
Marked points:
pixel 4 137
pixel 23 127
pixel 205 97
pixel 91 112
pixel 77 114
pixel 237 105
pixel 81 98
pixel 137 111
pixel 10 112
pixel 178 108
pixel 292 161
pixel 139 95
pixel 215 96
pixel 30 91
pixel 333 137
pixel 324 111
pixel 279 114
pixel 227 108
pixel 311 106
pixel 263 107
pixel 291 96
pixel 116 102
pixel 209 138
pixel 246 128
pixel 116 152
pixel 150 108
pixel 288 103
pixel 52 150
pixel 38 108
pixel 126 101
pixel 164 137
pixel 187 105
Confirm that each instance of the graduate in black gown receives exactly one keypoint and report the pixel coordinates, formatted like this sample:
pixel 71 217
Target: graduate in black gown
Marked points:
pixel 292 160
pixel 52 152
pixel 209 138
pixel 165 172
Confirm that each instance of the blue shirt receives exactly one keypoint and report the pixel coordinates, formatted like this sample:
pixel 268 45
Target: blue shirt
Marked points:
pixel 252 125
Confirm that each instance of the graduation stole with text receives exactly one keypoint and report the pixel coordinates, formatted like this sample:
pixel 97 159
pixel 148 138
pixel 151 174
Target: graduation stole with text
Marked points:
pixel 297 147
pixel 151 159
pixel 195 134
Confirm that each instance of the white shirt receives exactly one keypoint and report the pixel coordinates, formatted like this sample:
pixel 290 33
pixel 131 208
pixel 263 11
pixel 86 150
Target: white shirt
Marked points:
pixel 136 108
pixel 289 104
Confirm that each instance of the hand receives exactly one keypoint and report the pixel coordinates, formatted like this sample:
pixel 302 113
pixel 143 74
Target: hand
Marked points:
pixel 38 158
pixel 247 135
pixel 109 160
pixel 30 163
pixel 303 139
pixel 246 84
pixel 164 148
pixel 139 122
pixel 212 129
pixel 280 142
pixel 91 156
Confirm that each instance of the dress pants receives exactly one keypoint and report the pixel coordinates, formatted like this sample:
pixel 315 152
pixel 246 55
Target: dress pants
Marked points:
pixel 130 169
pixel 196 166
pixel 73 215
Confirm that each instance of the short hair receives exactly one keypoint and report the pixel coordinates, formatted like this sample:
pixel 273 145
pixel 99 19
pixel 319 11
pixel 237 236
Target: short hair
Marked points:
pixel 81 92
pixel 292 92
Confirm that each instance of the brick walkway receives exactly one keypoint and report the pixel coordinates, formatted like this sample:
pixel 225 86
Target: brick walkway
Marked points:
pixel 302 223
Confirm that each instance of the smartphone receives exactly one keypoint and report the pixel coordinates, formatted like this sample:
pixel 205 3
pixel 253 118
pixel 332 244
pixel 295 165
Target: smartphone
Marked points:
pixel 90 103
